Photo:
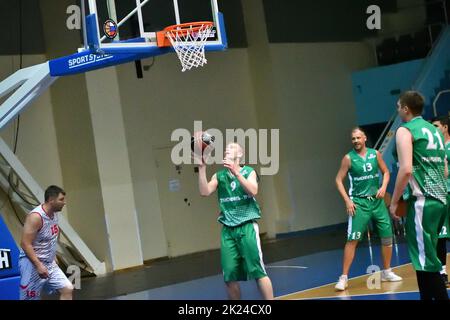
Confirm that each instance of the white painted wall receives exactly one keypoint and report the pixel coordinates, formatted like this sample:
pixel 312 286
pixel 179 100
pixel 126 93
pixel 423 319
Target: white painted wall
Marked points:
pixel 220 95
pixel 36 147
pixel 316 111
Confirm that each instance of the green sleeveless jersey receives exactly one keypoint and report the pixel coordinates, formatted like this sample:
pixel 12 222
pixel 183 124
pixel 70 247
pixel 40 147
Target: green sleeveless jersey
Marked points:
pixel 447 150
pixel 428 176
pixel 363 175
pixel 236 206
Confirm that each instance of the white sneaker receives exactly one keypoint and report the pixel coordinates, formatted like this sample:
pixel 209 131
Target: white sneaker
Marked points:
pixel 342 283
pixel 389 276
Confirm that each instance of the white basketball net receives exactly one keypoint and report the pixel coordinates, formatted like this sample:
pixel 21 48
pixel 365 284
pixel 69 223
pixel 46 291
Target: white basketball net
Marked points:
pixel 190 45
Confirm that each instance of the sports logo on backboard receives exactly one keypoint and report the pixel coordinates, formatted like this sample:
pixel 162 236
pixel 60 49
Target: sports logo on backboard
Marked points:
pixel 110 29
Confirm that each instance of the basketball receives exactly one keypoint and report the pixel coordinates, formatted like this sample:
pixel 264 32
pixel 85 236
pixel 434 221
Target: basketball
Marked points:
pixel 401 208
pixel 203 139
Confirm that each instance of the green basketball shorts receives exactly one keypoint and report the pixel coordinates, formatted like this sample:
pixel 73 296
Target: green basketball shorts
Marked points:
pixel 368 209
pixel 241 253
pixel 445 230
pixel 424 220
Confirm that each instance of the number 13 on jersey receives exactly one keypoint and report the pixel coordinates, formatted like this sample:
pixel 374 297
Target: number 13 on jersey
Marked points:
pixel 367 167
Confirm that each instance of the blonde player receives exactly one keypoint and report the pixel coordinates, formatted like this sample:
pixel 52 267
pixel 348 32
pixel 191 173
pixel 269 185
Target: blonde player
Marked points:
pixel 241 253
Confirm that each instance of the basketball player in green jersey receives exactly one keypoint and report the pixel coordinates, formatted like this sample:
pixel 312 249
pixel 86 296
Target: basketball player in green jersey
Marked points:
pixel 241 254
pixel 365 202
pixel 422 165
pixel 442 123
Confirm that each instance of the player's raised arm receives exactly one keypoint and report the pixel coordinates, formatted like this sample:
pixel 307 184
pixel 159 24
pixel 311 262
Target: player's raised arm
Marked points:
pixel 250 184
pixel 206 188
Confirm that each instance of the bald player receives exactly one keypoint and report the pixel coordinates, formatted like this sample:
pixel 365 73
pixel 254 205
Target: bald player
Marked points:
pixel 365 202
pixel 241 254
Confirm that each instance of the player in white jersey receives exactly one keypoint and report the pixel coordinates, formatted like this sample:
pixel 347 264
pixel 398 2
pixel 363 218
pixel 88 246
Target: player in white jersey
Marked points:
pixel 38 268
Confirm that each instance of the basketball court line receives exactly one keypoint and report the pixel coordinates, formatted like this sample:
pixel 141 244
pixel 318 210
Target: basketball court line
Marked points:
pixel 316 269
pixel 331 283
pixel 408 284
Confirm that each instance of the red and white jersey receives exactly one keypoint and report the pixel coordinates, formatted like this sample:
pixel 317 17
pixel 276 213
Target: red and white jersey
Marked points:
pixel 44 244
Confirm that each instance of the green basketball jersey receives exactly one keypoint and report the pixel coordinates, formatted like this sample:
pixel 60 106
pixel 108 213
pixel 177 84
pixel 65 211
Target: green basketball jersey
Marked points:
pixel 447 150
pixel 363 175
pixel 236 206
pixel 428 176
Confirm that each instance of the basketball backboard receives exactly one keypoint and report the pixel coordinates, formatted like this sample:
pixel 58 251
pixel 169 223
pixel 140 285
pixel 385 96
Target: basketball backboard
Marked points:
pixel 125 26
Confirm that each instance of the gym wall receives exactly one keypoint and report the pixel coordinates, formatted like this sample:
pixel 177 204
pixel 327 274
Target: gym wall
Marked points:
pixel 111 131
pixel 37 148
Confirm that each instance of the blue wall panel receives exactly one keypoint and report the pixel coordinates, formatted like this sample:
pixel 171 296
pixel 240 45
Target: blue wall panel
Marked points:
pixel 376 90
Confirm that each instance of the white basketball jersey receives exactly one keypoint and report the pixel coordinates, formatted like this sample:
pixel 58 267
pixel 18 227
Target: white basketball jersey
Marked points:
pixel 44 244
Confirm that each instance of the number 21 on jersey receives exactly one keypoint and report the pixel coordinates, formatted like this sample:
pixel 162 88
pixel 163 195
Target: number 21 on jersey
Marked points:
pixel 432 145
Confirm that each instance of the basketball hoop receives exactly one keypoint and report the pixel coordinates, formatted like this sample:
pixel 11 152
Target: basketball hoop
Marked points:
pixel 188 41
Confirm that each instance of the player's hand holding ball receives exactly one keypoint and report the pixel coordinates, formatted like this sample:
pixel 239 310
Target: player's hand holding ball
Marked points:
pixel 201 147
pixel 396 209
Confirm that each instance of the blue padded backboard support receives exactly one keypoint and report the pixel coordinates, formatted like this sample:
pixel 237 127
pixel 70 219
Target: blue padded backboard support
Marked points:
pixel 97 57
pixel 92 32
pixel 9 265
